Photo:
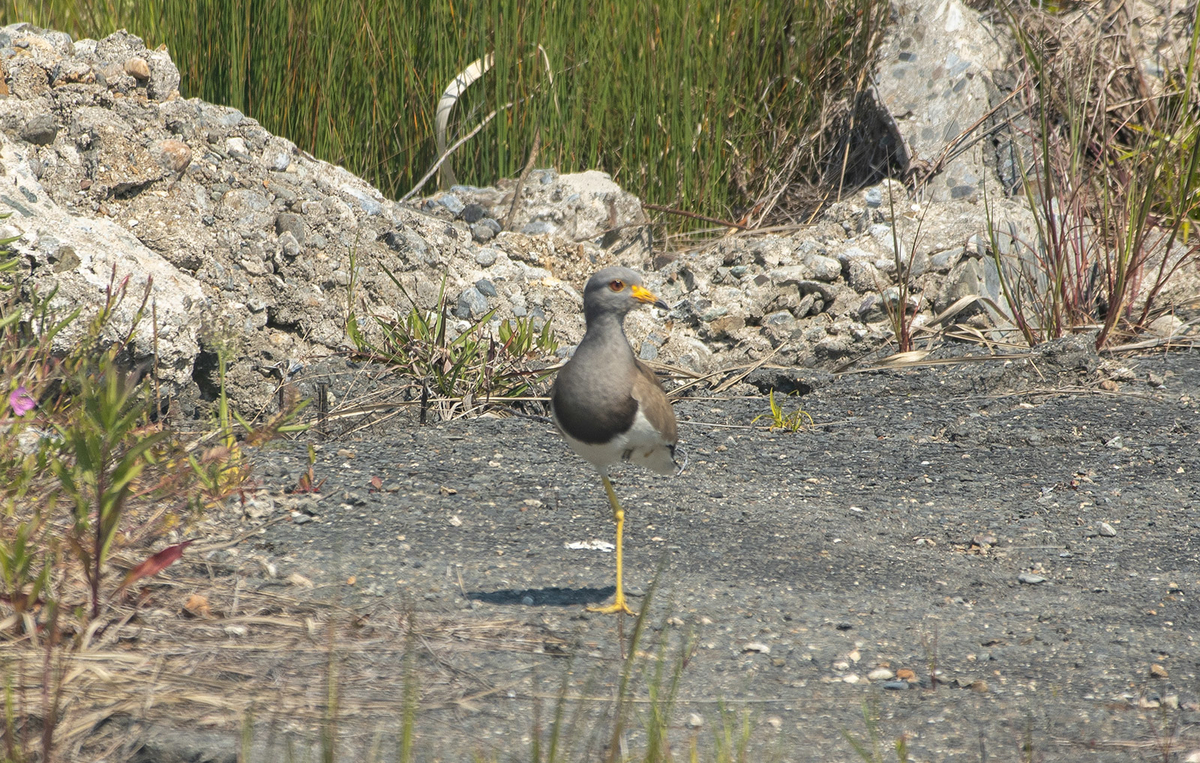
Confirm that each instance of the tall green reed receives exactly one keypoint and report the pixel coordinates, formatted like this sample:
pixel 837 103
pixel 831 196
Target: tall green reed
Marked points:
pixel 685 102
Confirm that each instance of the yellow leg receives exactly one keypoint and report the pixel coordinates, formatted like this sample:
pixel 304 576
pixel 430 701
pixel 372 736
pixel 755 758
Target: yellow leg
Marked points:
pixel 619 604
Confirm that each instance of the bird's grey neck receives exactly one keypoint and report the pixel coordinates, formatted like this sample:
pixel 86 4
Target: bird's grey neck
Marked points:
pixel 605 336
pixel 605 323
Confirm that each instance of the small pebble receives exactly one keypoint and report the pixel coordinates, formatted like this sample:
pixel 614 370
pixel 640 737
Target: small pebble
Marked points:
pixel 1107 530
pixel 472 213
pixel 895 685
pixel 309 506
pixel 257 508
pixel 173 155
pixel 482 233
pixel 694 721
pixel 881 674
pixel 757 646
pixel 1158 671
pixel 138 68
pixel 1028 578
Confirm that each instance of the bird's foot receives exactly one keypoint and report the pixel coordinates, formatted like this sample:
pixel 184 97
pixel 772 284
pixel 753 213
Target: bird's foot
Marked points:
pixel 618 606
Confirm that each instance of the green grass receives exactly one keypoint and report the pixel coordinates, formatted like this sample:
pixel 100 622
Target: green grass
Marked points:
pixel 690 103
pixel 472 366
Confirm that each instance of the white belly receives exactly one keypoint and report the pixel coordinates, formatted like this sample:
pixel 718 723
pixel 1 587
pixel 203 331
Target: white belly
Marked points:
pixel 642 445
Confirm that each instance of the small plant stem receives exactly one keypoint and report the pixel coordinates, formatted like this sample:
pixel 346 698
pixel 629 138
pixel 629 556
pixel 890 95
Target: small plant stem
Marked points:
pixel 98 535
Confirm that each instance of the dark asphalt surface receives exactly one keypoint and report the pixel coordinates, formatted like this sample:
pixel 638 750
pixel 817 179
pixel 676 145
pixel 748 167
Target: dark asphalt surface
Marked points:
pixel 799 569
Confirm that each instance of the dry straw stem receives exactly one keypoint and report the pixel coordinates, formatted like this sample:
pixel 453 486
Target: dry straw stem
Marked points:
pixel 1116 168
pixel 164 666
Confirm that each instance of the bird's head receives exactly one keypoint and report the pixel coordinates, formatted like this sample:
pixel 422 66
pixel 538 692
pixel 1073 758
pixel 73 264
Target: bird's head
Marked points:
pixel 617 290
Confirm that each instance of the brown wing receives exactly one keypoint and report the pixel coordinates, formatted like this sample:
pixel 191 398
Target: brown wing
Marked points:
pixel 653 402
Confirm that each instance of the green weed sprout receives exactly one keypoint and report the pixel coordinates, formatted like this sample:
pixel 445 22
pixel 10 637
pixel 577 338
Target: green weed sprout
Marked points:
pixel 790 422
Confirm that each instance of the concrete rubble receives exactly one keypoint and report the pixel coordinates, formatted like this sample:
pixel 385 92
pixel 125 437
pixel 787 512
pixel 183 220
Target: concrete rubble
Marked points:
pixel 257 246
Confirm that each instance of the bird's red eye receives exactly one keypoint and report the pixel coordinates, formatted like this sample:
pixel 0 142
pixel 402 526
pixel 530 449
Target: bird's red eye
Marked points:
pixel 616 285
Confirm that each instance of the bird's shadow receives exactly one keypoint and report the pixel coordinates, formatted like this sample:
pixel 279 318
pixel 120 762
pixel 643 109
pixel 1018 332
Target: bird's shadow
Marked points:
pixel 544 597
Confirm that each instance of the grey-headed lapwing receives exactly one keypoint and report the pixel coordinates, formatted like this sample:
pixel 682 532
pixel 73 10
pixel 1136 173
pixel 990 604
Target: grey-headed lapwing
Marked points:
pixel 609 405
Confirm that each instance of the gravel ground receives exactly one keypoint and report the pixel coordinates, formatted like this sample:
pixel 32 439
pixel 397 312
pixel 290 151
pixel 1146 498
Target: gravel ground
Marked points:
pixel 999 558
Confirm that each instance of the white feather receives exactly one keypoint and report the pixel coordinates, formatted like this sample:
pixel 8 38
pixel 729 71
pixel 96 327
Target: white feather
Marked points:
pixel 642 444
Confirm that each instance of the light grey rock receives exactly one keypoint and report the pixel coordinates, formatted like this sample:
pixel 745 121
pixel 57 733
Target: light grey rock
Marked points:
pixel 164 76
pixel 40 130
pixel 368 199
pixel 943 262
pixel 77 256
pixel 482 233
pixel 486 287
pixel 865 277
pixel 277 154
pixel 1166 326
pixel 451 202
pixel 823 268
pixel 471 304
pixel 932 70
pixel 288 245
pixel 852 253
pixel 792 275
pixel 486 257
pixel 966 279
pixel 236 147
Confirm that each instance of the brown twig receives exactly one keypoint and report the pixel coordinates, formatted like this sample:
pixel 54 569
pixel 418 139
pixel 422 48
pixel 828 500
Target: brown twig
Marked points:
pixel 533 155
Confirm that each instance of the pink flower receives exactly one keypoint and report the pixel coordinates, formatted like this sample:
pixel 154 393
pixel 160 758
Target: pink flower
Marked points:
pixel 21 402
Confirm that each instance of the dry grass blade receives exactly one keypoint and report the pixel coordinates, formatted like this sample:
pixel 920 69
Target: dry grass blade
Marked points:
pixel 162 670
pixel 903 359
pixel 916 363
